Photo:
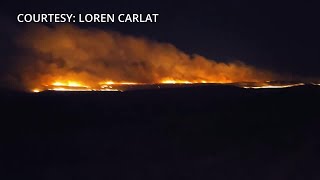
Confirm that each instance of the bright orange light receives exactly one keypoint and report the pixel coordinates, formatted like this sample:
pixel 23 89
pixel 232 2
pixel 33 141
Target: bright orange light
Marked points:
pixel 69 89
pixel 119 83
pixel 273 86
pixel 119 86
pixel 73 86
pixel 68 83
pixel 171 81
pixel 107 82
pixel 36 90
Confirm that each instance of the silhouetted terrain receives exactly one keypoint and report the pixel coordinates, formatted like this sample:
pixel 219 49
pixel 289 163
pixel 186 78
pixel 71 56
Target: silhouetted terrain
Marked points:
pixel 207 132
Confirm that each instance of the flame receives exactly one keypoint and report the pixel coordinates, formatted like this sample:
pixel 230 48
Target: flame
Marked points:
pixel 67 58
pixel 108 82
pixel 269 86
pixel 68 89
pixel 36 90
pixel 178 81
pixel 121 86
pixel 72 86
pixel 69 84
pixel 170 81
pixel 119 83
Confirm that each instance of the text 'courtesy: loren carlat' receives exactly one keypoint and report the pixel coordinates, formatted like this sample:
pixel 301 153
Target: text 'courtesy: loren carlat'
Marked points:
pixel 87 18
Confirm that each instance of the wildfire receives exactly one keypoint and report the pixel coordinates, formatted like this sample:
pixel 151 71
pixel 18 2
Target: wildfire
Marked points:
pixel 72 86
pixel 68 58
pixel 123 85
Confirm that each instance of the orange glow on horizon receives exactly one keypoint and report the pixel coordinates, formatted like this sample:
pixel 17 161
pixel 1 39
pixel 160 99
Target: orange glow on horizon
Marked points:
pixel 122 82
pixel 170 81
pixel 114 86
pixel 71 86
pixel 273 86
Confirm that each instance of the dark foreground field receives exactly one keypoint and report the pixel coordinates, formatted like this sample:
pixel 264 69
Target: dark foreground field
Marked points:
pixel 214 132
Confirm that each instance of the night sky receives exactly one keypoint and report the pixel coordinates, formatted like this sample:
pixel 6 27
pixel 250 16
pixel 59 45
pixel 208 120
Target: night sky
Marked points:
pixel 281 36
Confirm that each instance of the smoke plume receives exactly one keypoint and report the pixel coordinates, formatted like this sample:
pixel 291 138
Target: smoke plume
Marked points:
pixel 90 56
